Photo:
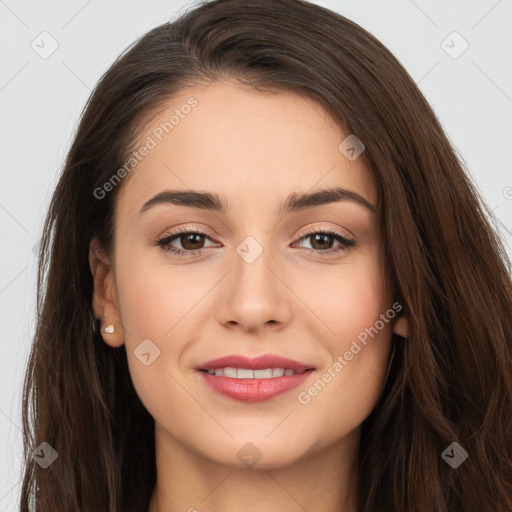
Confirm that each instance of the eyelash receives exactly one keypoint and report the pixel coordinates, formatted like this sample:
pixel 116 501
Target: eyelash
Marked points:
pixel 164 242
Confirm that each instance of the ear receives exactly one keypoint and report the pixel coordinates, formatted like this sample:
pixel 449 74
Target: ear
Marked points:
pixel 104 301
pixel 401 327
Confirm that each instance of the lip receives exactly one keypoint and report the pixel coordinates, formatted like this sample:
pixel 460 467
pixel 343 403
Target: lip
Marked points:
pixel 256 363
pixel 254 390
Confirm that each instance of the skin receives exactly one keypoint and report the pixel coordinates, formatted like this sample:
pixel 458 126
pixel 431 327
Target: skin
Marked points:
pixel 253 149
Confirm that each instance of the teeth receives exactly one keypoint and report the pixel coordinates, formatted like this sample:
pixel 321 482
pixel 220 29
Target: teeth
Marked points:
pixel 228 372
pixel 263 374
pixel 244 373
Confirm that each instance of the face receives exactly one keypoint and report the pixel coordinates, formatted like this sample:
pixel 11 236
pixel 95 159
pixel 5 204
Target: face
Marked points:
pixel 194 279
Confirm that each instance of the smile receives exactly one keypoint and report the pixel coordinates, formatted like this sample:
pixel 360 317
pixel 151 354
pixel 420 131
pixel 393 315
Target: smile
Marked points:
pixel 245 373
pixel 255 379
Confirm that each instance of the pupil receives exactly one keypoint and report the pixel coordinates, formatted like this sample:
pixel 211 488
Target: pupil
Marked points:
pixel 189 239
pixel 322 237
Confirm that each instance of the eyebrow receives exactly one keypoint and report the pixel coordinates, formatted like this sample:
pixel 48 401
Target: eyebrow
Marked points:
pixel 294 202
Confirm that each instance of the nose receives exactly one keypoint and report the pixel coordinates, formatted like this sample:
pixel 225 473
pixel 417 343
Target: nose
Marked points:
pixel 255 294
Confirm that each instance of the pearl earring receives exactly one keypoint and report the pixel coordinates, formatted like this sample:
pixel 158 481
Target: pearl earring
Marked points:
pixel 109 329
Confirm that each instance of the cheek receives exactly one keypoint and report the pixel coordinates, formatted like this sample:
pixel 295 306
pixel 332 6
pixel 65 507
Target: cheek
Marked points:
pixel 158 304
pixel 151 300
pixel 352 300
pixel 149 306
pixel 354 306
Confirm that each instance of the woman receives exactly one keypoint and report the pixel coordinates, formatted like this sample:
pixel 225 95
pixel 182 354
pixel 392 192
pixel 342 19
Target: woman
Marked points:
pixel 266 283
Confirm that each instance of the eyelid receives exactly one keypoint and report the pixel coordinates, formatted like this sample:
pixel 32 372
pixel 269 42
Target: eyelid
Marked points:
pixel 186 229
pixel 323 229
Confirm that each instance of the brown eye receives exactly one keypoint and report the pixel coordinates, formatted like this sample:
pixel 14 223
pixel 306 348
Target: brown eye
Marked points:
pixel 191 241
pixel 321 241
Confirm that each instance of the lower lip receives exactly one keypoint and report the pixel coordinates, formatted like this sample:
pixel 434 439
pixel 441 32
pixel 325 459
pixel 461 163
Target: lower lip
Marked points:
pixel 254 390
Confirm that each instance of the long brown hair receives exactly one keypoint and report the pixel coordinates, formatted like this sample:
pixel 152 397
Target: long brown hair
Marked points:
pixel 450 381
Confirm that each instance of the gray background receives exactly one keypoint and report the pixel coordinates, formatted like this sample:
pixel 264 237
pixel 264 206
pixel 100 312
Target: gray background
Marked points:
pixel 41 99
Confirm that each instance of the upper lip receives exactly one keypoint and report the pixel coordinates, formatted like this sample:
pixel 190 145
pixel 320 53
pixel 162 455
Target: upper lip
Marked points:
pixel 256 363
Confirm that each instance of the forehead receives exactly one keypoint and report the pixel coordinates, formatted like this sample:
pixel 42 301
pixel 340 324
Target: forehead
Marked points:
pixel 244 145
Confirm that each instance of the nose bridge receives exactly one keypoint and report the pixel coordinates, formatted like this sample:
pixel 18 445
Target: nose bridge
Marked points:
pixel 254 295
pixel 253 258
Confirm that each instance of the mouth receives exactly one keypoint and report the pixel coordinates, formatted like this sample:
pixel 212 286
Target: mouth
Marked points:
pixel 254 380
pixel 242 367
pixel 246 373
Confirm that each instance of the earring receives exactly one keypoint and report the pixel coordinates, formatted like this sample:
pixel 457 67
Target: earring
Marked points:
pixel 109 329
